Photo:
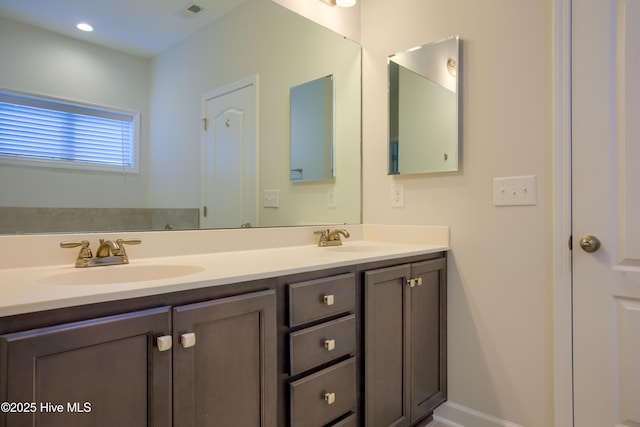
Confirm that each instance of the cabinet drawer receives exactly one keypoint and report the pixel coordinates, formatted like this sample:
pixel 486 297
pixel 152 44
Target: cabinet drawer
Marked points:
pixel 322 343
pixel 325 396
pixel 350 421
pixel 317 299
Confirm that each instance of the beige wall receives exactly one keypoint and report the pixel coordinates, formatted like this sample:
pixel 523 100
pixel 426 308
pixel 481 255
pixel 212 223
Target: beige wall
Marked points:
pixel 45 63
pixel 500 308
pixel 342 20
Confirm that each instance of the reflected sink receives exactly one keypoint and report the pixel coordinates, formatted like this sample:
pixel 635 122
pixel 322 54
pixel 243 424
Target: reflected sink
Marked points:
pixel 120 274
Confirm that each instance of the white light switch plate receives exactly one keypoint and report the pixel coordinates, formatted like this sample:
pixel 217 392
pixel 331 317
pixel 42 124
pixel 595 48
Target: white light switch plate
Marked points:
pixel 271 198
pixel 515 191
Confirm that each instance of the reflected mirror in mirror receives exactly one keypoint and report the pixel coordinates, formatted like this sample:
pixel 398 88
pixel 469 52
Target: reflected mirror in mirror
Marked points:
pixel 312 130
pixel 163 79
pixel 424 97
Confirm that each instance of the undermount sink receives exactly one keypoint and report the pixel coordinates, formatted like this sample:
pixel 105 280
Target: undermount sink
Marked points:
pixel 120 274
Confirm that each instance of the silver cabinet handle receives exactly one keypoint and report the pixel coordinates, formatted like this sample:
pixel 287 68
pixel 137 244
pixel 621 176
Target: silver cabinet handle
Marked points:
pixel 164 342
pixel 330 344
pixel 330 398
pixel 328 300
pixel 188 340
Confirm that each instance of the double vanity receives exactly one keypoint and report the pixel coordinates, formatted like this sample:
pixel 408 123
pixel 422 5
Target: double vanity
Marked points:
pixel 229 328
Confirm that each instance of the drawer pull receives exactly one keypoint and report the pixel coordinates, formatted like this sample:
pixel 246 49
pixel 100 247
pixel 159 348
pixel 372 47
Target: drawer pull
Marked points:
pixel 329 344
pixel 328 300
pixel 164 343
pixel 414 282
pixel 330 398
pixel 188 340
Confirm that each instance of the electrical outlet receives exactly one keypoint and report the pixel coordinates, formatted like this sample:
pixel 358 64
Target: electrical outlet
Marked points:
pixel 271 198
pixel 332 198
pixel 515 191
pixel 397 195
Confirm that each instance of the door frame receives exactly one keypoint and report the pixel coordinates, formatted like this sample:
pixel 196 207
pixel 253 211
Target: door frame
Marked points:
pixel 561 202
pixel 223 90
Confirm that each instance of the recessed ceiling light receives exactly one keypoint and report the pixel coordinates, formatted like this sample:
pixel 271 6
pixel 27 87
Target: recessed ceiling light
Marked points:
pixel 83 26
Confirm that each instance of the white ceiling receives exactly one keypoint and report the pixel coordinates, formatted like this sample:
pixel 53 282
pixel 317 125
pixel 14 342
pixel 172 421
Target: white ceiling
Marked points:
pixel 141 27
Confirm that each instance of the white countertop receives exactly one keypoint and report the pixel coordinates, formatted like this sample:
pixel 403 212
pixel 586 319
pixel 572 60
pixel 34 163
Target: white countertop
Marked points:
pixel 30 289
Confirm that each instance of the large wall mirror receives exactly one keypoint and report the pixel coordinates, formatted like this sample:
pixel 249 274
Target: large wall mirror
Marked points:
pixel 424 97
pixel 164 77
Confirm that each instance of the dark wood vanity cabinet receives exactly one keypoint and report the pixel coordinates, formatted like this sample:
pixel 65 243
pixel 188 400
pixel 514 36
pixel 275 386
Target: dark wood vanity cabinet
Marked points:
pixel 224 362
pixel 220 368
pixel 356 345
pixel 405 342
pixel 102 372
pixel 322 359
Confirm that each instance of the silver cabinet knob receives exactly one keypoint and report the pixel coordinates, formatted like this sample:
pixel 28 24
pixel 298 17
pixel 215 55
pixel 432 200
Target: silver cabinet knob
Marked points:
pixel 330 398
pixel 328 300
pixel 164 343
pixel 188 340
pixel 590 243
pixel 330 344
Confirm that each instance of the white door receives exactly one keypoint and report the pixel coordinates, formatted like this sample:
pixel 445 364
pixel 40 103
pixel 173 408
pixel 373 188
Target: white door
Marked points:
pixel 230 152
pixel 606 204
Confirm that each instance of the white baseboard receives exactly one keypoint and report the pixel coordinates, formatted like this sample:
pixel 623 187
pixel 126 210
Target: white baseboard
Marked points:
pixel 455 415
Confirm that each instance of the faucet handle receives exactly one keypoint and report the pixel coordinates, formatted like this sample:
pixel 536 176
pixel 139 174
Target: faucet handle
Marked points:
pixel 324 235
pixel 129 241
pixel 85 252
pixel 122 242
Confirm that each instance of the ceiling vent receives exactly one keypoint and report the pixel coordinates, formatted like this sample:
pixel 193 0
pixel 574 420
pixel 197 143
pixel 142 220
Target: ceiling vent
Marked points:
pixel 191 10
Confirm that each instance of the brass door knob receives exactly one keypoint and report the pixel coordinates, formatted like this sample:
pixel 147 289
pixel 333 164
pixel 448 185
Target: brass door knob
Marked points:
pixel 590 243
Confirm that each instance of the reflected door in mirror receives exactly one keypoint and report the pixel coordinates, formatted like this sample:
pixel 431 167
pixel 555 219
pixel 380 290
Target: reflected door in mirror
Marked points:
pixel 230 173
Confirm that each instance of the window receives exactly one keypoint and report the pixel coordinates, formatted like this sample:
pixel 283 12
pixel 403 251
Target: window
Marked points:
pixel 48 132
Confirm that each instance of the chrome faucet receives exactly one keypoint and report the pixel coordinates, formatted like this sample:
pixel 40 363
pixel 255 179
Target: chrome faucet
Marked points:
pixel 331 238
pixel 110 252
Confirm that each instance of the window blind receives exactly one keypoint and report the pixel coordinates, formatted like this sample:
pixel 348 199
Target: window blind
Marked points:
pixel 52 131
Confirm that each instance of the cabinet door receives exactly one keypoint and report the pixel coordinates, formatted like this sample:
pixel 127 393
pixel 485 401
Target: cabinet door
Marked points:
pixel 103 372
pixel 428 338
pixel 225 362
pixel 386 332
